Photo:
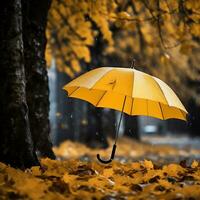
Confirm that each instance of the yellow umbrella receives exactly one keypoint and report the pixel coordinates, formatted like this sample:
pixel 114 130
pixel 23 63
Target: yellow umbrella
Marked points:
pixel 127 90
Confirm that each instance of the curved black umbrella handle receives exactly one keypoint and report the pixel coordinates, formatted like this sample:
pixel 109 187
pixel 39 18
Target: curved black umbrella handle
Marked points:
pixel 111 157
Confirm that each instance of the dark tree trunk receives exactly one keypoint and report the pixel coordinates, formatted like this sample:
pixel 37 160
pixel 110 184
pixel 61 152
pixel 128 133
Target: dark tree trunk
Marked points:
pixel 194 118
pixel 16 146
pixel 37 91
pixel 95 136
pixel 65 107
pixel 110 123
pixel 131 127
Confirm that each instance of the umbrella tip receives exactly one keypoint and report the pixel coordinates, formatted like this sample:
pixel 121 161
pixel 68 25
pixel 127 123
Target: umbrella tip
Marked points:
pixel 133 63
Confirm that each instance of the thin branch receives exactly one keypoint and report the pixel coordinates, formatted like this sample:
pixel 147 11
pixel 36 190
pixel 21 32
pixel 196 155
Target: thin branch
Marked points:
pixel 184 12
pixel 131 19
pixel 142 41
pixel 68 24
pixel 157 19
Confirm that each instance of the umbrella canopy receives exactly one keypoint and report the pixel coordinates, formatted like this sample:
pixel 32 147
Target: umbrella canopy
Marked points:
pixel 127 90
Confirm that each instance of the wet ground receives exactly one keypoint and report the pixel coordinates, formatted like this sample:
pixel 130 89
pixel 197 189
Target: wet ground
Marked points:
pixel 179 141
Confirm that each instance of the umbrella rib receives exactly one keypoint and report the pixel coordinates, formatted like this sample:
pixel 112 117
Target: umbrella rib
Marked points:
pixel 74 91
pixel 131 105
pixel 101 98
pixel 101 77
pixel 117 133
pixel 132 93
pixel 182 114
pixel 161 110
pixel 133 83
pixel 160 89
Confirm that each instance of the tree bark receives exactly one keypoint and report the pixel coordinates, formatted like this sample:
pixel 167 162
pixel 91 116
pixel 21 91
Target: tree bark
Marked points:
pixel 131 127
pixel 16 146
pixel 194 118
pixel 65 107
pixel 110 123
pixel 37 91
pixel 96 137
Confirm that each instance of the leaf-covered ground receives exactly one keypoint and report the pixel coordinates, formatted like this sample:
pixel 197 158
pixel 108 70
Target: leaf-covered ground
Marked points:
pixel 123 179
pixel 130 150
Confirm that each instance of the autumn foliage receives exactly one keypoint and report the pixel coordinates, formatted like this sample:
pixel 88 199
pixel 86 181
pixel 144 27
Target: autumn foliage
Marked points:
pixel 75 178
pixel 157 33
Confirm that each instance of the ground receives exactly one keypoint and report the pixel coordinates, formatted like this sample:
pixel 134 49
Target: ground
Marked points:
pixel 77 174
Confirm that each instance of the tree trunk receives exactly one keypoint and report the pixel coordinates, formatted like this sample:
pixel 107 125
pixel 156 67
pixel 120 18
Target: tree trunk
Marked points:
pixel 16 146
pixel 194 118
pixel 95 137
pixel 65 108
pixel 37 91
pixel 109 123
pixel 131 127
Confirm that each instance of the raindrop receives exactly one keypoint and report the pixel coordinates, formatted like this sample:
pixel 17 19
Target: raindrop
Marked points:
pixel 71 116
pixel 58 114
pixel 97 133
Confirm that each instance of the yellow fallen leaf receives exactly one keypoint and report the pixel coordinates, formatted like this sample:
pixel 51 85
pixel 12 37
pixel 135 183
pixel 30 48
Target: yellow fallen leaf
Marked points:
pixel 148 164
pixel 194 164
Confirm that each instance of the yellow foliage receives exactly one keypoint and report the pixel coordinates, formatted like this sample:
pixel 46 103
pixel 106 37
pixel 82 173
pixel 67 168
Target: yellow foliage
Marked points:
pixel 104 27
pixel 75 65
pixel 48 56
pixel 192 4
pixel 148 164
pixel 195 164
pixel 195 29
pixel 124 15
pixel 186 48
pixel 71 32
pixel 68 71
pixel 145 30
pixel 71 178
pixel 173 170
pixel 82 52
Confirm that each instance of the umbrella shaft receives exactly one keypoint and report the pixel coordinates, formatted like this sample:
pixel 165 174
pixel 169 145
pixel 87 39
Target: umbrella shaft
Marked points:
pixel 120 119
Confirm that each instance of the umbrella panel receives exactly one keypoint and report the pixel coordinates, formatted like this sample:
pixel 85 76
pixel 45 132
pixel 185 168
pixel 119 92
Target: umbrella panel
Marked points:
pixel 133 106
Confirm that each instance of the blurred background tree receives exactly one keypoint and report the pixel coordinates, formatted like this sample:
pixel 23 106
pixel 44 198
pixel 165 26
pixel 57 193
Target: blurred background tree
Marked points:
pixel 161 35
